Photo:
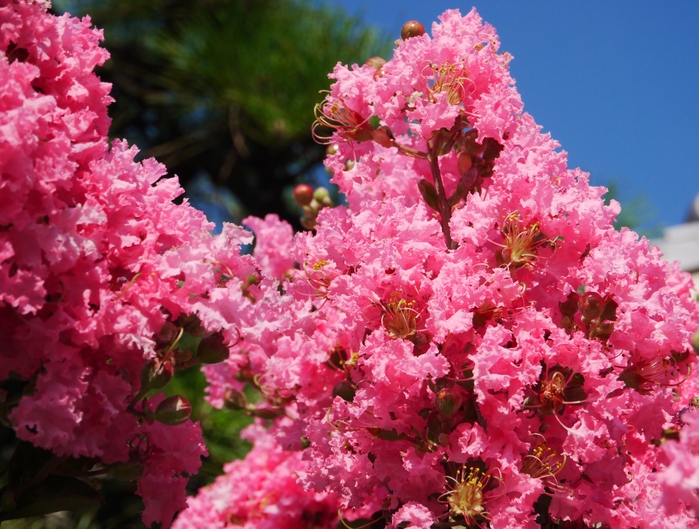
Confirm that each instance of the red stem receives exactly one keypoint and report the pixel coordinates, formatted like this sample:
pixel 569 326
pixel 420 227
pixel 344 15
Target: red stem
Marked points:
pixel 444 208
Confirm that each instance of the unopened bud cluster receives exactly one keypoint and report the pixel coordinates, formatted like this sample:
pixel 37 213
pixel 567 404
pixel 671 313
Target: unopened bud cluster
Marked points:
pixel 311 202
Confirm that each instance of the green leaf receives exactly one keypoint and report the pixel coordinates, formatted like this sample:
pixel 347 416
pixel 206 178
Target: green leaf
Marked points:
pixel 53 494
pixel 28 464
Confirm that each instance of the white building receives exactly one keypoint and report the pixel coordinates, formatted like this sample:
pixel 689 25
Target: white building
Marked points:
pixel 681 243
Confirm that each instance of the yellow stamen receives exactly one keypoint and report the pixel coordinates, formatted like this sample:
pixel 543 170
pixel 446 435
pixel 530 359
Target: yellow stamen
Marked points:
pixel 400 318
pixel 466 497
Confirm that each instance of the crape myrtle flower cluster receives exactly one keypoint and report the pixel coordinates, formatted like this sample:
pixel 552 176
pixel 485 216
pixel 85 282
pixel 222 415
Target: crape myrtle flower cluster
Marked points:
pixel 469 343
pixel 106 286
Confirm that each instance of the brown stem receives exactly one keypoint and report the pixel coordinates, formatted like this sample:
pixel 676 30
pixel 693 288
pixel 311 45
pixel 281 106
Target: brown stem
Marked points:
pixel 131 407
pixel 444 208
pixel 189 363
pixel 409 151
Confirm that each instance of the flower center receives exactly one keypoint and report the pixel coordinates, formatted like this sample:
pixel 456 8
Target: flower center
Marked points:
pixel 448 79
pixel 466 498
pixel 337 115
pixel 399 317
pixel 543 463
pixel 520 244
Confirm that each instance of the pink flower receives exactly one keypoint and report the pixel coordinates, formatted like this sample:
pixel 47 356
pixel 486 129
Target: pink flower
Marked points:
pixel 260 492
pixel 274 244
pixel 99 269
pixel 415 515
pixel 679 480
pixel 470 341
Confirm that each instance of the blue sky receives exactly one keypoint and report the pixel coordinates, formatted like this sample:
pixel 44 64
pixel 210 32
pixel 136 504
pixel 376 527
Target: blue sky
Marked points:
pixel 616 83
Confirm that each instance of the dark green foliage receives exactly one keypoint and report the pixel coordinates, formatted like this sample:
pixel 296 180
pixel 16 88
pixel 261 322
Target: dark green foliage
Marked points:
pixel 226 88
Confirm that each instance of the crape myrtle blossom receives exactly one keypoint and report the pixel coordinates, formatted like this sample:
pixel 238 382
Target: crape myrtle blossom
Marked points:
pixel 680 478
pixel 470 342
pixel 260 492
pixel 102 278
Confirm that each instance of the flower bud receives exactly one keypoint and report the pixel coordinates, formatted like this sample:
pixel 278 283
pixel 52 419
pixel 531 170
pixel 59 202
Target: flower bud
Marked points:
pixel 470 143
pixel 166 334
pixel 181 356
pixel 609 309
pixel 321 193
pixel 486 170
pixel 156 374
pixel 337 358
pixel 412 29
pixel 695 342
pixel 590 305
pixel 466 183
pixel 448 401
pixel 464 163
pixel 375 62
pixel 192 325
pixel 173 410
pixel 570 306
pixel 234 400
pixel 345 390
pixel 429 193
pixel 603 331
pixel 567 322
pixel 212 350
pixel 383 136
pixel 303 194
pixel 307 222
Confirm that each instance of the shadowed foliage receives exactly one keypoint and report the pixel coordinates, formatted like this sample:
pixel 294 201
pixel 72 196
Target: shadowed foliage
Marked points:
pixel 224 90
